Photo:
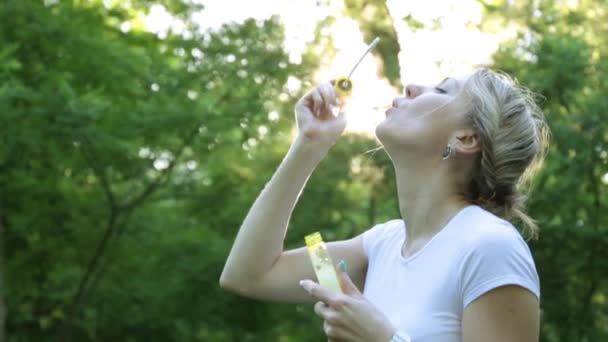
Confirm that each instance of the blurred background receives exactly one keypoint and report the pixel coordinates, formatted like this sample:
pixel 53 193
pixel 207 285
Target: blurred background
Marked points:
pixel 135 134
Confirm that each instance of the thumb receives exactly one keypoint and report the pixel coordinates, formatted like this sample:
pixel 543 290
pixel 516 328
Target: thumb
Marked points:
pixel 339 121
pixel 345 282
pixel 341 114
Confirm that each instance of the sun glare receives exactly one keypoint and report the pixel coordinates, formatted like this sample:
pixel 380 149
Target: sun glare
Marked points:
pixel 371 94
pixel 448 44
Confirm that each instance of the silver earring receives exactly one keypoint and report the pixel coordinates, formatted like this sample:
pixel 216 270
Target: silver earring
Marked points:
pixel 449 152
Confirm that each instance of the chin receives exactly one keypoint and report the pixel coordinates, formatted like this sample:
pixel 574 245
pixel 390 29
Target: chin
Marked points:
pixel 381 129
pixel 399 134
pixel 389 134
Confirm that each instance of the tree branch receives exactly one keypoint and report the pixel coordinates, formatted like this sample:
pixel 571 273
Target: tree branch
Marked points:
pixel 112 227
pixel 98 171
pixel 76 300
pixel 117 210
pixel 161 180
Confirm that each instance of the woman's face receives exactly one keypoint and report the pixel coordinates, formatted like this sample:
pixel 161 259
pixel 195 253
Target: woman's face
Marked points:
pixel 423 121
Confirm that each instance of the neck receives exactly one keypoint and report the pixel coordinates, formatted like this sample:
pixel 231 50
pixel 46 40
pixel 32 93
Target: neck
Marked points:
pixel 428 199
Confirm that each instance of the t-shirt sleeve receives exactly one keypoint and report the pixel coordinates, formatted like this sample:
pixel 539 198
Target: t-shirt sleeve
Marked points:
pixel 500 257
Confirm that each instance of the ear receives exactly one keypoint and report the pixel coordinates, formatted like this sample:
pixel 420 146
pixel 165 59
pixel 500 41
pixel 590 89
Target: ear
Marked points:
pixel 465 142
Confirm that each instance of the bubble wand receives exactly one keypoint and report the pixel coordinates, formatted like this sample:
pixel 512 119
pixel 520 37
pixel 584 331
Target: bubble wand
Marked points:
pixel 344 85
pixel 321 262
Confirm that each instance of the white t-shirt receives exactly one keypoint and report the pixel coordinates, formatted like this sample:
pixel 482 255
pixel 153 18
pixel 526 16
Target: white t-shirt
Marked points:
pixel 425 294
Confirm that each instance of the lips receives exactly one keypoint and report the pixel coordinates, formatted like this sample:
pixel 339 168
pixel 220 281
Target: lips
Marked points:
pixel 399 102
pixel 389 111
pixel 395 102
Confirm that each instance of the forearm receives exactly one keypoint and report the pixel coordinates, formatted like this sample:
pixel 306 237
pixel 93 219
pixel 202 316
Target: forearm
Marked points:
pixel 259 242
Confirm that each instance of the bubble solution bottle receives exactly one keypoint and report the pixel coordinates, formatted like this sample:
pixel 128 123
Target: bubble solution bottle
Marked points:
pixel 321 262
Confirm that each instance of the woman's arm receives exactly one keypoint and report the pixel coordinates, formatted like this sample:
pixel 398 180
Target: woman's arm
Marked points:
pixel 257 266
pixel 506 314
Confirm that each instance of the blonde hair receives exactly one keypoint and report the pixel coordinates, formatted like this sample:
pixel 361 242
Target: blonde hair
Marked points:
pixel 513 137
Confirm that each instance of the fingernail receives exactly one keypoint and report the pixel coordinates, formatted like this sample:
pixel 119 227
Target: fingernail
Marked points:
pixel 343 266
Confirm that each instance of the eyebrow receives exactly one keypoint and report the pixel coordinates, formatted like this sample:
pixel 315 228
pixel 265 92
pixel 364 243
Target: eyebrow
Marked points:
pixel 445 80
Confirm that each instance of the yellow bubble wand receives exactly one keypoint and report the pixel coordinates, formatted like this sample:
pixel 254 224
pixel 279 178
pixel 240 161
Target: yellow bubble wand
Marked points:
pixel 321 262
pixel 344 85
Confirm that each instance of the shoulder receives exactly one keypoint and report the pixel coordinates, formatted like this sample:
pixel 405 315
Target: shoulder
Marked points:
pixel 488 233
pixel 380 233
pixel 496 254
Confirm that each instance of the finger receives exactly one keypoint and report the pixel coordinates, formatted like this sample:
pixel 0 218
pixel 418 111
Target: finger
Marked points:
pixel 322 310
pixel 338 122
pixel 329 94
pixel 336 333
pixel 330 331
pixel 326 92
pixel 304 104
pixel 317 102
pixel 341 118
pixel 319 292
pixel 346 283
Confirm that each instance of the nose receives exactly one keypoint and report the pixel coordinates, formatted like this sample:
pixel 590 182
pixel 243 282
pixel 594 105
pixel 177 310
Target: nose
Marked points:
pixel 412 90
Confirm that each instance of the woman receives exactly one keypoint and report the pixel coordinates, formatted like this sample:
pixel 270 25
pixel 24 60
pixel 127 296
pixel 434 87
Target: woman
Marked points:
pixel 452 268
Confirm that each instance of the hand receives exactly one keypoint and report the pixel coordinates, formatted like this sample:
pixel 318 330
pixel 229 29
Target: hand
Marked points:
pixel 316 121
pixel 349 316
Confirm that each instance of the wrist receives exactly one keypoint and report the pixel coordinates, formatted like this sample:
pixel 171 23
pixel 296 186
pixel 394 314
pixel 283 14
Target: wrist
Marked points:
pixel 309 149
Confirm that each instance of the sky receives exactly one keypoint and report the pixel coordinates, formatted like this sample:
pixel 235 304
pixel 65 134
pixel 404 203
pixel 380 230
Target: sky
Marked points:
pixel 427 56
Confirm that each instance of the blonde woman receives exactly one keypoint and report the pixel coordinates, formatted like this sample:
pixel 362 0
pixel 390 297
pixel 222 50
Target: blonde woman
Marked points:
pixel 452 268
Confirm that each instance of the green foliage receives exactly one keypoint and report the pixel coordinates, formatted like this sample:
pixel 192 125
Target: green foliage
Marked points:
pixel 413 23
pixel 120 152
pixel 568 67
pixel 375 21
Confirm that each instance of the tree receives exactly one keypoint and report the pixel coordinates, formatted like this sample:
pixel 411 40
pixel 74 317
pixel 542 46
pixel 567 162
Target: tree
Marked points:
pixel 108 125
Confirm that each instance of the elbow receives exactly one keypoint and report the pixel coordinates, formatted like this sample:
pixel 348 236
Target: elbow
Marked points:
pixel 227 277
pixel 226 285
pixel 235 284
pixel 225 282
pixel 230 284
pixel 233 287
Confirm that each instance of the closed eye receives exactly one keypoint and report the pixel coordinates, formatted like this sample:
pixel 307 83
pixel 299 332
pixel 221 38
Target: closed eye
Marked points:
pixel 441 90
